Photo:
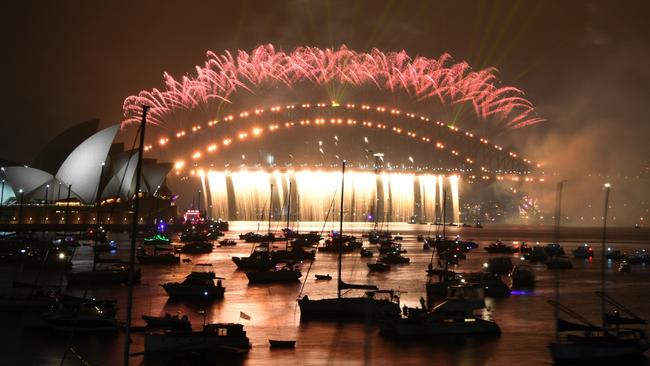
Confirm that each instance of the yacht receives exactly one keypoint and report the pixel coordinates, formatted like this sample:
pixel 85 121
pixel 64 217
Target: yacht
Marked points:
pixel 168 322
pixel 454 316
pixel 196 247
pixel 199 284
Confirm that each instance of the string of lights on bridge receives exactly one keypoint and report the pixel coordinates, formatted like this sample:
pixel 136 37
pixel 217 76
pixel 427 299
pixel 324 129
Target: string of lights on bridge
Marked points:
pixel 244 135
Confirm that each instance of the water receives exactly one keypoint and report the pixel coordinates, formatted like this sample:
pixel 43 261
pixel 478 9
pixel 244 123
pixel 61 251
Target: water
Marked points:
pixel 526 319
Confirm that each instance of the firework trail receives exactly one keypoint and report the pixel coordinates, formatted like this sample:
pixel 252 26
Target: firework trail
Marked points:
pixel 422 78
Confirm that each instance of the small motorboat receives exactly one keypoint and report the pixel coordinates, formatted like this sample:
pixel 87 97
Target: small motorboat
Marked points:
pixel 275 343
pixel 366 253
pixel 187 260
pixel 323 277
pixel 420 237
pixel 379 267
pixel 584 251
pixel 227 243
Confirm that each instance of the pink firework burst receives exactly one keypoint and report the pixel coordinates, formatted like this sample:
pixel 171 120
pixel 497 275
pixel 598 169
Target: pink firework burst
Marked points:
pixel 423 78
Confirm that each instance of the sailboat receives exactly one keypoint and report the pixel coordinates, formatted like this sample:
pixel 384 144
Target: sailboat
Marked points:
pixel 618 337
pixel 375 304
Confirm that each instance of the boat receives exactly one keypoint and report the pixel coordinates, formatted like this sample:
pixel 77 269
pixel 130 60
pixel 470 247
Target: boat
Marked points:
pixel 227 243
pixel 583 251
pixel 289 272
pixel 275 343
pixel 419 237
pixel 259 259
pixel 378 267
pixel 499 247
pixel 157 239
pixel 193 235
pixel 326 277
pixel 229 338
pixel 522 276
pixel 537 254
pixel 156 258
pixel 553 249
pixel 491 283
pixel 293 254
pixel 393 258
pixel 199 284
pixel 251 237
pixel 196 247
pixel 478 225
pixel 168 322
pixel 499 265
pixel 613 254
pixel 27 295
pixel 375 304
pixel 113 273
pixel 81 316
pixel 454 316
pixel 559 262
pixel 366 253
pixel 638 257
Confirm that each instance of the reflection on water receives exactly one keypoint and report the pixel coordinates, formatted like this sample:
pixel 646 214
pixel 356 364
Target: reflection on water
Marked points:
pixel 525 317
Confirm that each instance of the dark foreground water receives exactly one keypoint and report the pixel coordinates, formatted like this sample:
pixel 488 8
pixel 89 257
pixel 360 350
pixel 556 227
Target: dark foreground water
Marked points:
pixel 525 318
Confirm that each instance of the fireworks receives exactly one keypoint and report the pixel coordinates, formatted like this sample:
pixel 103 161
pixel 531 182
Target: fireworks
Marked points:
pixel 422 78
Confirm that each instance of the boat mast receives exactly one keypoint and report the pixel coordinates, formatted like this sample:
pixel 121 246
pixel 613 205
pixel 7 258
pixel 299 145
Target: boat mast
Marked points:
pixel 270 207
pixel 288 216
pixel 603 257
pixel 338 286
pixel 444 213
pixel 556 239
pixel 134 232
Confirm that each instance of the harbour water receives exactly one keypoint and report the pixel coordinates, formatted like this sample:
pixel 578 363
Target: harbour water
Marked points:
pixel 525 318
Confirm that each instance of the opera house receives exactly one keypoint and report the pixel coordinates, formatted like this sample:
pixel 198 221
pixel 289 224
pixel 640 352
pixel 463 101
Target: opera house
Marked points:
pixel 83 176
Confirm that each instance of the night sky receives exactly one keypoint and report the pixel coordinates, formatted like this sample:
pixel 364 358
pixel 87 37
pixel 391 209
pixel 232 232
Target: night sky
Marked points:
pixel 584 64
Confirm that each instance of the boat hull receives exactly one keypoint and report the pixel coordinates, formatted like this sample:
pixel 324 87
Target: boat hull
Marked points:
pixel 360 308
pixel 176 290
pixel 404 328
pixel 568 352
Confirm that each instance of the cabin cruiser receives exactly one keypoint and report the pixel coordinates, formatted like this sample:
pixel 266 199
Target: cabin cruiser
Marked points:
pixel 499 247
pixel 251 237
pixel 193 235
pixel 218 337
pixel 227 243
pixel 491 283
pixel 553 249
pixel 199 284
pixel 452 317
pixel 522 276
pixel 583 251
pixel 537 254
pixel 393 258
pixel 366 253
pixel 289 272
pixel 499 265
pixel 260 259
